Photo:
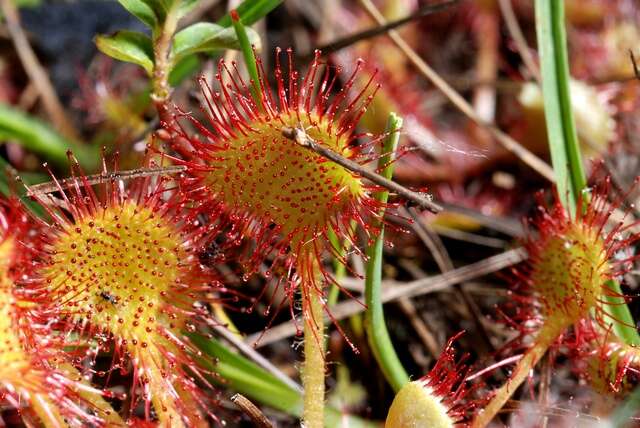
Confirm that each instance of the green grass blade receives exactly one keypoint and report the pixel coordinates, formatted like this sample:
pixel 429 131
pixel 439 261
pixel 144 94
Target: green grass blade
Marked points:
pixel 375 325
pixel 248 55
pixel 617 308
pixel 243 376
pixel 561 128
pixel 251 11
pixel 39 138
pixel 247 378
pixel 10 190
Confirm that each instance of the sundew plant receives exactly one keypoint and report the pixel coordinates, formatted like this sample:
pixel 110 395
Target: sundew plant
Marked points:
pixel 345 214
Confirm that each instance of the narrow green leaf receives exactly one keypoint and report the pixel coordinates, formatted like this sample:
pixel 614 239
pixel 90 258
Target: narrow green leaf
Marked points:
pixel 11 191
pixel 5 189
pixel 251 11
pixel 207 37
pixel 244 376
pixel 241 375
pixel 375 325
pixel 248 55
pixel 38 137
pixel 620 317
pixel 142 11
pixel 128 46
pixel 561 127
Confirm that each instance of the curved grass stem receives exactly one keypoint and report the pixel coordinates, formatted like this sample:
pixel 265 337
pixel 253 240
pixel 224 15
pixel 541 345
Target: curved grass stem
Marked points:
pixel 561 128
pixel 622 322
pixel 376 328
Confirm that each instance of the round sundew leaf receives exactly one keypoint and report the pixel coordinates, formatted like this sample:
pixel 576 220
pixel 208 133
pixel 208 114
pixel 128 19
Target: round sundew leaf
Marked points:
pixel 271 176
pixel 415 407
pixel 274 190
pixel 23 375
pixel 118 269
pixel 14 360
pixel 569 270
pixel 123 270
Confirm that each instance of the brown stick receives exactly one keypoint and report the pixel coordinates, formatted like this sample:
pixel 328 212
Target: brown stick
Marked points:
pixel 252 411
pixel 50 186
pixel 518 38
pixel 36 73
pixel 398 290
pixel 443 260
pixel 425 10
pixel 300 137
pixel 456 99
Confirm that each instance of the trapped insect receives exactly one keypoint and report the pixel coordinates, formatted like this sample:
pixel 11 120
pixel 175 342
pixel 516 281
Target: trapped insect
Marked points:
pixel 109 297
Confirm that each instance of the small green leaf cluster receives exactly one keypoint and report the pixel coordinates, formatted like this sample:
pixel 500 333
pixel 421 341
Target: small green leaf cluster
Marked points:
pixel 202 37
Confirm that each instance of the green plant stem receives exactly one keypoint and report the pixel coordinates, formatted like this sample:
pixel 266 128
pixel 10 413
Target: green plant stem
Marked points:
pixel 563 141
pixel 313 369
pixel 248 55
pixel 339 268
pixel 375 326
pixel 160 88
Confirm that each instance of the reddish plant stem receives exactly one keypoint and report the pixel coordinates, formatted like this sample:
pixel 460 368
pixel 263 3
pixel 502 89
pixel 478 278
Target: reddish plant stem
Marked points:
pixel 545 338
pixel 313 369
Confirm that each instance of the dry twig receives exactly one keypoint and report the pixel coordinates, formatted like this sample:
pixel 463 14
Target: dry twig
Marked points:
pixel 103 177
pixel 351 39
pixel 441 256
pixel 299 136
pixel 518 38
pixel 504 139
pixel 395 290
pixel 251 410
